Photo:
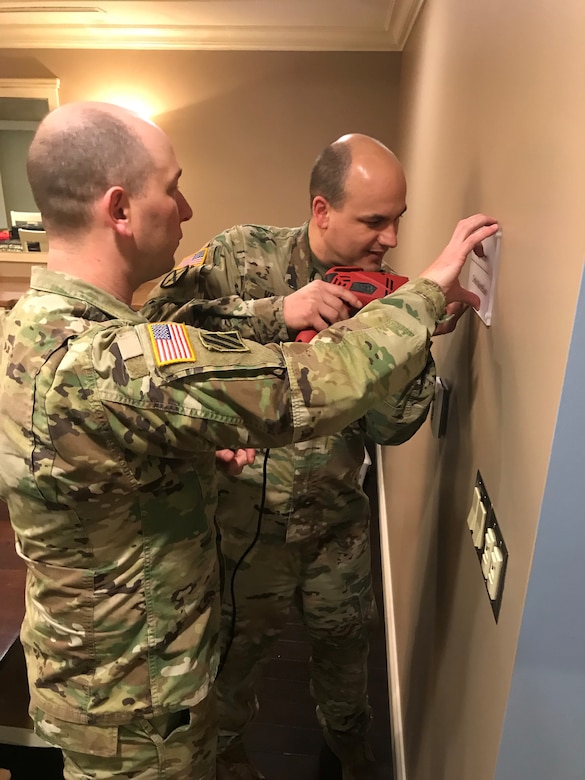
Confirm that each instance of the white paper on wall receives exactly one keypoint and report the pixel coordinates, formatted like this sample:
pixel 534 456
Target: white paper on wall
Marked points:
pixel 483 272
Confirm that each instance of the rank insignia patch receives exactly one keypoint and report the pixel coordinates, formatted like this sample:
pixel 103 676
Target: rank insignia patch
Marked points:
pixel 171 343
pixel 197 259
pixel 230 341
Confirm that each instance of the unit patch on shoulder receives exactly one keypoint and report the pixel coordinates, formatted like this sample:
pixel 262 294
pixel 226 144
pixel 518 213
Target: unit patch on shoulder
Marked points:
pixel 230 341
pixel 173 277
pixel 197 259
pixel 171 343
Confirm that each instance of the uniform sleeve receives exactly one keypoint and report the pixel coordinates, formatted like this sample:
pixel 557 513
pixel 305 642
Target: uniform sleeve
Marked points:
pixel 208 292
pixel 224 391
pixel 399 416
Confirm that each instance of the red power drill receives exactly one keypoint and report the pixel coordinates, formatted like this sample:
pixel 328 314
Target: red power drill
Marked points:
pixel 366 285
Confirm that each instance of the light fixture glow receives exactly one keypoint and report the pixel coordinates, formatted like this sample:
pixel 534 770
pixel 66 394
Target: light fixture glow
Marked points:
pixel 143 106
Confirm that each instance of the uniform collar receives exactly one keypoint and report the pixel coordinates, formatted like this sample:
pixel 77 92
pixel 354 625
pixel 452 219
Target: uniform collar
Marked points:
pixel 67 286
pixel 318 267
pixel 304 266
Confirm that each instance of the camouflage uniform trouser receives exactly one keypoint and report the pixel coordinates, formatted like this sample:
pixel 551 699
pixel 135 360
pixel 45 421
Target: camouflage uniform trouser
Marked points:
pixel 180 746
pixel 329 580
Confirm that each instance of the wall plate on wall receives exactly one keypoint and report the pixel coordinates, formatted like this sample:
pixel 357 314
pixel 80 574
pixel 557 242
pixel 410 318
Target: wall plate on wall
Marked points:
pixel 483 272
pixel 489 544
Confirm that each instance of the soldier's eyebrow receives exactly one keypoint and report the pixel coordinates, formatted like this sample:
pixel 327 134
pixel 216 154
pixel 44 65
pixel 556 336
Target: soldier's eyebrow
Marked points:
pixel 401 213
pixel 381 217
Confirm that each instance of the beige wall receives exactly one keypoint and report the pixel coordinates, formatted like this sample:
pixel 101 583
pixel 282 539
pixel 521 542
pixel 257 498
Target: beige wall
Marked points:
pixel 493 120
pixel 246 126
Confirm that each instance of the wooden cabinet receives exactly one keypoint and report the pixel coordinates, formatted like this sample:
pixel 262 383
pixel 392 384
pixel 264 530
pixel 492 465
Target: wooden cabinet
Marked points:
pixel 15 268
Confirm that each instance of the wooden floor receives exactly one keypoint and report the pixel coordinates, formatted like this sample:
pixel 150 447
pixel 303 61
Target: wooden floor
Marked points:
pixel 285 741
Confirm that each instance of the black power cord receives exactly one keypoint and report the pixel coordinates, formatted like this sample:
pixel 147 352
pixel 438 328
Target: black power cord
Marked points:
pixel 241 559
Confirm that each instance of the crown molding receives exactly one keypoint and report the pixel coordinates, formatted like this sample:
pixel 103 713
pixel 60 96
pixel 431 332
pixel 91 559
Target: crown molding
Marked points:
pixel 392 37
pixel 402 16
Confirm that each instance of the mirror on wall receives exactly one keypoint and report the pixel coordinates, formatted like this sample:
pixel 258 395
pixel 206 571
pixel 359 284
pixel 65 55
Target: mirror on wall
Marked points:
pixel 23 104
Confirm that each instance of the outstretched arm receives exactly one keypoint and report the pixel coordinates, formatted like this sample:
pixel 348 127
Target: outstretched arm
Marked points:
pixel 400 415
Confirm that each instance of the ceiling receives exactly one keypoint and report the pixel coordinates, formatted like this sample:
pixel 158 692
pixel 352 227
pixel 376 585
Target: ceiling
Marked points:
pixel 291 25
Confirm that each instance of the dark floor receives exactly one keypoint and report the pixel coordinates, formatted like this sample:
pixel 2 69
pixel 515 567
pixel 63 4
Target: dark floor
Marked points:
pixel 285 741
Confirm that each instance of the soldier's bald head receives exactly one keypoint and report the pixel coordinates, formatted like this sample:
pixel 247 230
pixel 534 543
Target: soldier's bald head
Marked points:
pixel 79 151
pixel 354 155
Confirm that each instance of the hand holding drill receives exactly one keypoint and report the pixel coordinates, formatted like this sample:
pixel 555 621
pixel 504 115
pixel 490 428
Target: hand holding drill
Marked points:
pixel 366 286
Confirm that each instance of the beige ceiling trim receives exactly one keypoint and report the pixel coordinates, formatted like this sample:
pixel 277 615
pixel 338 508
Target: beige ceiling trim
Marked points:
pixel 399 21
pixel 54 9
pixel 401 17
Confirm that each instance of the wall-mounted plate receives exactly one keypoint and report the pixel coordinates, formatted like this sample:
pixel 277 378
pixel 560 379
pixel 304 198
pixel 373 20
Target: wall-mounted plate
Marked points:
pixel 483 273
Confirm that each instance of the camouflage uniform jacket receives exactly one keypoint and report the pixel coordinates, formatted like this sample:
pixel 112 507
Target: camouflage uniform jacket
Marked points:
pixel 107 464
pixel 312 484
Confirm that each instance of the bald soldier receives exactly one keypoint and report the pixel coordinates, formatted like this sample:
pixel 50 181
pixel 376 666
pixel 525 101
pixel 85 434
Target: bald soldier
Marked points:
pixel 311 546
pixel 110 426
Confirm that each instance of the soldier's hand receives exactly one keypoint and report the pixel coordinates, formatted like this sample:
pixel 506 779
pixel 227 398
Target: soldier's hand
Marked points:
pixel 446 269
pixel 233 461
pixel 449 322
pixel 318 305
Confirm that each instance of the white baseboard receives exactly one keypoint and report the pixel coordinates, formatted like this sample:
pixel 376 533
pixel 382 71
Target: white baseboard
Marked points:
pixel 396 721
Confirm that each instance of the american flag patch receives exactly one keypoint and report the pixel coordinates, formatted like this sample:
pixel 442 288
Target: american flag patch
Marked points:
pixel 170 342
pixel 197 259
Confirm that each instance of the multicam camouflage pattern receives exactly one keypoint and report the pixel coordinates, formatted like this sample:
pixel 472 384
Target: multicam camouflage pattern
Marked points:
pixel 314 499
pixel 245 268
pixel 329 579
pixel 179 745
pixel 108 469
pixel 249 269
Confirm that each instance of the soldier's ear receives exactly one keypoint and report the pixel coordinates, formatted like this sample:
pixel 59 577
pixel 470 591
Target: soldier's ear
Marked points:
pixel 118 210
pixel 321 209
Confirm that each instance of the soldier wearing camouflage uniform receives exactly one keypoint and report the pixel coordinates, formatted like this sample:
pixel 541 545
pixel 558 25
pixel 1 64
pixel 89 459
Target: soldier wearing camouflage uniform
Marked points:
pixel 109 430
pixel 313 543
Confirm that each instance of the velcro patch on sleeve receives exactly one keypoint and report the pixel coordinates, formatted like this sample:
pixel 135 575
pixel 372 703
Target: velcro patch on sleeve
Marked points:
pixel 132 353
pixel 230 341
pixel 171 343
pixel 129 345
pixel 197 259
